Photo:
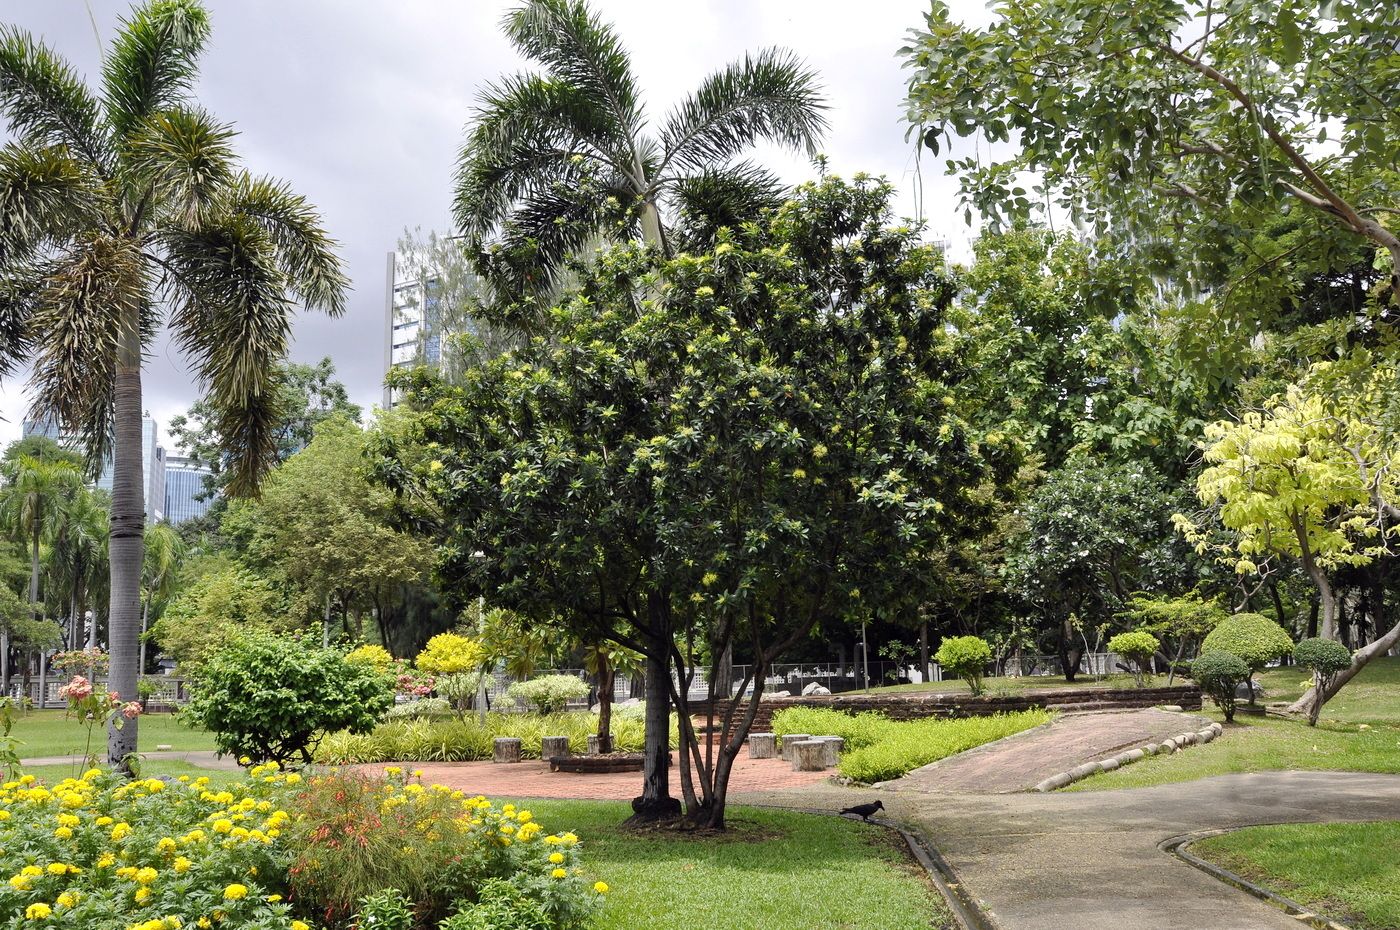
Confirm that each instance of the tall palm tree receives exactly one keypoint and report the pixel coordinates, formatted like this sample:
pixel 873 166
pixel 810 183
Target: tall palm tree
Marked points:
pixel 164 552
pixel 31 509
pixel 79 555
pixel 123 211
pixel 557 159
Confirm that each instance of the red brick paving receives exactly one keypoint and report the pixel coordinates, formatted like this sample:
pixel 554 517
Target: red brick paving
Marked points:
pixel 535 780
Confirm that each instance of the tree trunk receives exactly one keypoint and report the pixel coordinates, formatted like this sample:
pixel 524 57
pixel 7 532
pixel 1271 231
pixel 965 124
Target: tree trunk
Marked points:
pixel 605 702
pixel 655 802
pixel 145 622
pixel 1069 653
pixel 722 673
pixel 923 651
pixel 127 539
pixel 1359 660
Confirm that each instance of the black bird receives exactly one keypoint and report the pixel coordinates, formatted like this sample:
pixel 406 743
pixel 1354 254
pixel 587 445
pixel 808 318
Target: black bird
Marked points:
pixel 864 811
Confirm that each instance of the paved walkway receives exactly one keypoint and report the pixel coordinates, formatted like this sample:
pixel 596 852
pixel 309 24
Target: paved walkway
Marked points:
pixel 1089 860
pixel 535 780
pixel 1019 762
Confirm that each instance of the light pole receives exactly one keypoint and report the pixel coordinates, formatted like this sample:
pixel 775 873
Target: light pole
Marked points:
pixel 480 635
pixel 865 657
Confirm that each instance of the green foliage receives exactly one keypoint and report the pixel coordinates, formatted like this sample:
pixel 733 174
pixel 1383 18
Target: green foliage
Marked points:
pixel 878 749
pixel 459 690
pixel 453 740
pixel 376 657
pixel 500 906
pixel 1138 647
pixel 1219 674
pixel 966 657
pixel 1253 638
pixel 219 605
pixel 420 707
pixel 451 654
pixel 549 694
pixel 272 698
pixel 384 910
pixel 1326 659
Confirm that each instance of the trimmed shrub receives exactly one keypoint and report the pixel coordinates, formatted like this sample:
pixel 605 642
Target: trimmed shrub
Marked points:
pixel 1219 674
pixel 1138 647
pixel 451 654
pixel 1253 638
pixel 271 698
pixel 878 748
pixel 966 657
pixel 377 657
pixel 1326 659
pixel 549 694
pixel 427 708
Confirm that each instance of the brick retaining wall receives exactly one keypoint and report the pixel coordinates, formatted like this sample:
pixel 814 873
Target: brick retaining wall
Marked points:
pixel 921 704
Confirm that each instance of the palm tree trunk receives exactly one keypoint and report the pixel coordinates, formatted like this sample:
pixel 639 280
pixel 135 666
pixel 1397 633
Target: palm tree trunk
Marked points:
pixel 127 540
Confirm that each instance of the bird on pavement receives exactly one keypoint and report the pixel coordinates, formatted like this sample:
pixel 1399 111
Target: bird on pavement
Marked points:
pixel 864 811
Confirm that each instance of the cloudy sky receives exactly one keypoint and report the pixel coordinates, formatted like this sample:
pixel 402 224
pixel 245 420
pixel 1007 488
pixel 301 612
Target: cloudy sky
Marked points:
pixel 361 104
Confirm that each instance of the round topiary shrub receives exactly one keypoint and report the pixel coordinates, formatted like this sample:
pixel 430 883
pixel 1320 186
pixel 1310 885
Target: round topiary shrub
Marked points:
pixel 1252 638
pixel 1219 674
pixel 549 694
pixel 1138 647
pixel 967 657
pixel 1326 659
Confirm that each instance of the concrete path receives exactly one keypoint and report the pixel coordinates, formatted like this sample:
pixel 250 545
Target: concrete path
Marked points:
pixel 1089 860
pixel 203 759
pixel 1019 762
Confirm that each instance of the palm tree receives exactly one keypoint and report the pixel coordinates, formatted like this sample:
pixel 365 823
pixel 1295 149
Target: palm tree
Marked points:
pixel 123 211
pixel 79 555
pixel 557 159
pixel 164 552
pixel 31 509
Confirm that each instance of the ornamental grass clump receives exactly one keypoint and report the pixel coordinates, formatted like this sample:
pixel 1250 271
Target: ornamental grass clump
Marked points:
pixel 357 836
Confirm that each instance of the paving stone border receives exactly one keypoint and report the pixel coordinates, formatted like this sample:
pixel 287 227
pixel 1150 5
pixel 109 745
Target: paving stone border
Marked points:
pixel 1169 745
pixel 1179 847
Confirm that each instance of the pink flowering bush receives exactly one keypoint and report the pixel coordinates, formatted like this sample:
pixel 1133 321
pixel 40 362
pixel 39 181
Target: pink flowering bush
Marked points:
pixel 94 709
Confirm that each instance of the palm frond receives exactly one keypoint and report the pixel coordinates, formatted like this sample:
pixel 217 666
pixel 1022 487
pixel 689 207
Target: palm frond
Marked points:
pixel 184 159
pixel 301 247
pixel 153 62
pixel 80 307
pixel 43 100
pixel 233 317
pixel 580 49
pixel 528 258
pixel 718 197
pixel 45 196
pixel 770 96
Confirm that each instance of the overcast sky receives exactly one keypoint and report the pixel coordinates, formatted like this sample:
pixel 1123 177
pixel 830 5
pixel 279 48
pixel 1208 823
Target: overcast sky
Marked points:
pixel 361 104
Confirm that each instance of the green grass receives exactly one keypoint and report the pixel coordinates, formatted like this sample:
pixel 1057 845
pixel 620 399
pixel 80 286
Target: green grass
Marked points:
pixel 45 733
pixel 174 768
pixel 1350 871
pixel 1359 732
pixel 995 686
pixel 774 869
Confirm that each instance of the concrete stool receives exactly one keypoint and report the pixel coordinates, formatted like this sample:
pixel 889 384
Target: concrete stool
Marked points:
pixel 809 755
pixel 789 741
pixel 593 744
pixel 505 749
pixel 835 745
pixel 762 746
pixel 554 747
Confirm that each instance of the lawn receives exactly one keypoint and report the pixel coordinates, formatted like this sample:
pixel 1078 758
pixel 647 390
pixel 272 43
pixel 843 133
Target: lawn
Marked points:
pixel 45 733
pixel 1350 871
pixel 775 869
pixel 171 768
pixel 1359 732
pixel 995 686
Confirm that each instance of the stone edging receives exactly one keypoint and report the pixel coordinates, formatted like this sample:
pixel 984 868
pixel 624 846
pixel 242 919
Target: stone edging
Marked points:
pixel 1306 916
pixel 1171 744
pixel 968 914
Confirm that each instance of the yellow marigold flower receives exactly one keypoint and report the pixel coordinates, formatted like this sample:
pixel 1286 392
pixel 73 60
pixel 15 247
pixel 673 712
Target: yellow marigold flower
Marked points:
pixel 57 868
pixel 294 779
pixel 106 860
pixel 26 779
pixel 600 887
pixel 37 911
pixel 559 873
pixel 154 785
pixel 68 820
pixel 90 774
pixel 67 899
pixel 235 892
pixel 120 832
pixel 64 833
pixel 274 898
pixel 4 815
pixel 143 894
pixel 104 821
pixel 181 864
pixel 21 882
pixel 525 817
pixel 31 870
pixel 223 825
pixel 202 780
pixel 204 923
pixel 146 875
pixel 556 858
pixel 300 925
pixel 393 770
pixel 166 845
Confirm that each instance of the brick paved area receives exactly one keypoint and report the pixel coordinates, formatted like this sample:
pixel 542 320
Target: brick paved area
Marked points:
pixel 1019 762
pixel 535 780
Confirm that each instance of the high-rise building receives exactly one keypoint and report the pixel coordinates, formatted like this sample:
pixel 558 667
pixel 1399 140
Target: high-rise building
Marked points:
pixel 413 330
pixel 152 471
pixel 42 426
pixel 184 490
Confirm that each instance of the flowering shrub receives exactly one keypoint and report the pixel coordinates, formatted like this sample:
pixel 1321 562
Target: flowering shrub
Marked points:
pixel 549 694
pixel 358 836
pixel 93 661
pixel 102 852
pixel 412 683
pixel 376 657
pixel 451 654
pixel 94 708
pixel 272 698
